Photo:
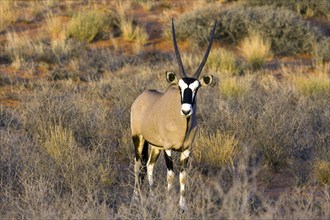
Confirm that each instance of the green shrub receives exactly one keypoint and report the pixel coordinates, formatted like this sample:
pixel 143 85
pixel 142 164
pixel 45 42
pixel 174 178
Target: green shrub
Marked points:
pixel 306 8
pixel 287 33
pixel 86 25
pixel 321 50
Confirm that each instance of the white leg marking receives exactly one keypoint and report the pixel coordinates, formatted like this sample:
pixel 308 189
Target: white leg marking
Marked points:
pixel 182 202
pixel 168 152
pixel 184 155
pixel 150 169
pixel 170 178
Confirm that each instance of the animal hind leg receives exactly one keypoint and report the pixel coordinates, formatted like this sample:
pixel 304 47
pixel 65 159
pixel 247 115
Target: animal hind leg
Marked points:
pixel 141 157
pixel 183 176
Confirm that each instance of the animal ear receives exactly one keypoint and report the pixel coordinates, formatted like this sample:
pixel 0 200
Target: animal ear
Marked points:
pixel 171 77
pixel 206 80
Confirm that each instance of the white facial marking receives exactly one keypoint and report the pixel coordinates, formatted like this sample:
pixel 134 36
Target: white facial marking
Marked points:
pixel 185 107
pixel 193 86
pixel 183 86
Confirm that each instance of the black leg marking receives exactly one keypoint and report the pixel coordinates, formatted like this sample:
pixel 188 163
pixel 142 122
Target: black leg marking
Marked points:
pixel 141 157
pixel 144 160
pixel 168 161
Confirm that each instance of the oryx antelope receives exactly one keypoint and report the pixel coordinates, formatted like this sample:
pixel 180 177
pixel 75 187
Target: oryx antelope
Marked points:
pixel 167 121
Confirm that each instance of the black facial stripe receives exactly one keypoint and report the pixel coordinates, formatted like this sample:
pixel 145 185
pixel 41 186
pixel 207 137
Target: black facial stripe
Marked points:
pixel 189 80
pixel 187 96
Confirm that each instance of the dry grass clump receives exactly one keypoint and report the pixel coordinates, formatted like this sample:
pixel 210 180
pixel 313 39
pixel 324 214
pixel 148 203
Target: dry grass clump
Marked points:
pixel 313 85
pixel 256 50
pixel 56 27
pixel 217 149
pixel 21 48
pixel 322 171
pixel 8 14
pixel 145 4
pixel 86 25
pixel 223 61
pixel 232 87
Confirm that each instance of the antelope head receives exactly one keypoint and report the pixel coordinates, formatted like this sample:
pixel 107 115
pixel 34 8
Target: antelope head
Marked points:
pixel 189 86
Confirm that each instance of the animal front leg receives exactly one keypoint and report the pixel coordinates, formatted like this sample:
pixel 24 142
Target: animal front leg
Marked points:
pixel 183 176
pixel 150 165
pixel 170 172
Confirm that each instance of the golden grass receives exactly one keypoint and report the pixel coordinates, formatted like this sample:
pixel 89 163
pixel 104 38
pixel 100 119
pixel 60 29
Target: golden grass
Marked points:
pixel 18 47
pixel 318 85
pixel 232 87
pixel 222 61
pixel 57 141
pixel 146 4
pixel 217 149
pixel 128 30
pixel 8 14
pixel 56 27
pixel 322 171
pixel 255 49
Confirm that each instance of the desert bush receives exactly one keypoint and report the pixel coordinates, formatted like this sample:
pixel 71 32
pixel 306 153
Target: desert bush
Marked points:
pixel 86 25
pixel 306 8
pixel 321 50
pixel 287 33
pixel 255 50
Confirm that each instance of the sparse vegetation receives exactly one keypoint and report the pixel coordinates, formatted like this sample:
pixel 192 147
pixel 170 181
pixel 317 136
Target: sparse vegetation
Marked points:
pixel 262 148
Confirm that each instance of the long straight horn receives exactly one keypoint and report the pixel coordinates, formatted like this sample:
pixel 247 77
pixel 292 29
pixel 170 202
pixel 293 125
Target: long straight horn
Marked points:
pixel 200 68
pixel 177 54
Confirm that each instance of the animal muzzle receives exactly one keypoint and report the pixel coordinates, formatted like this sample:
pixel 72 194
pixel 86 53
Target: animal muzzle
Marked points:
pixel 186 109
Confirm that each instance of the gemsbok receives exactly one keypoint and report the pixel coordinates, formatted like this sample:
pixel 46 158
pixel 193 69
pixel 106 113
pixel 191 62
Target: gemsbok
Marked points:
pixel 167 121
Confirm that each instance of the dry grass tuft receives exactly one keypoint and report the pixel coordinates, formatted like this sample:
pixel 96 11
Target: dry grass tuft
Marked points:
pixel 217 149
pixel 8 14
pixel 86 25
pixel 255 49
pixel 223 61
pixel 322 171
pixel 21 47
pixel 56 27
pixel 312 85
pixel 232 87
